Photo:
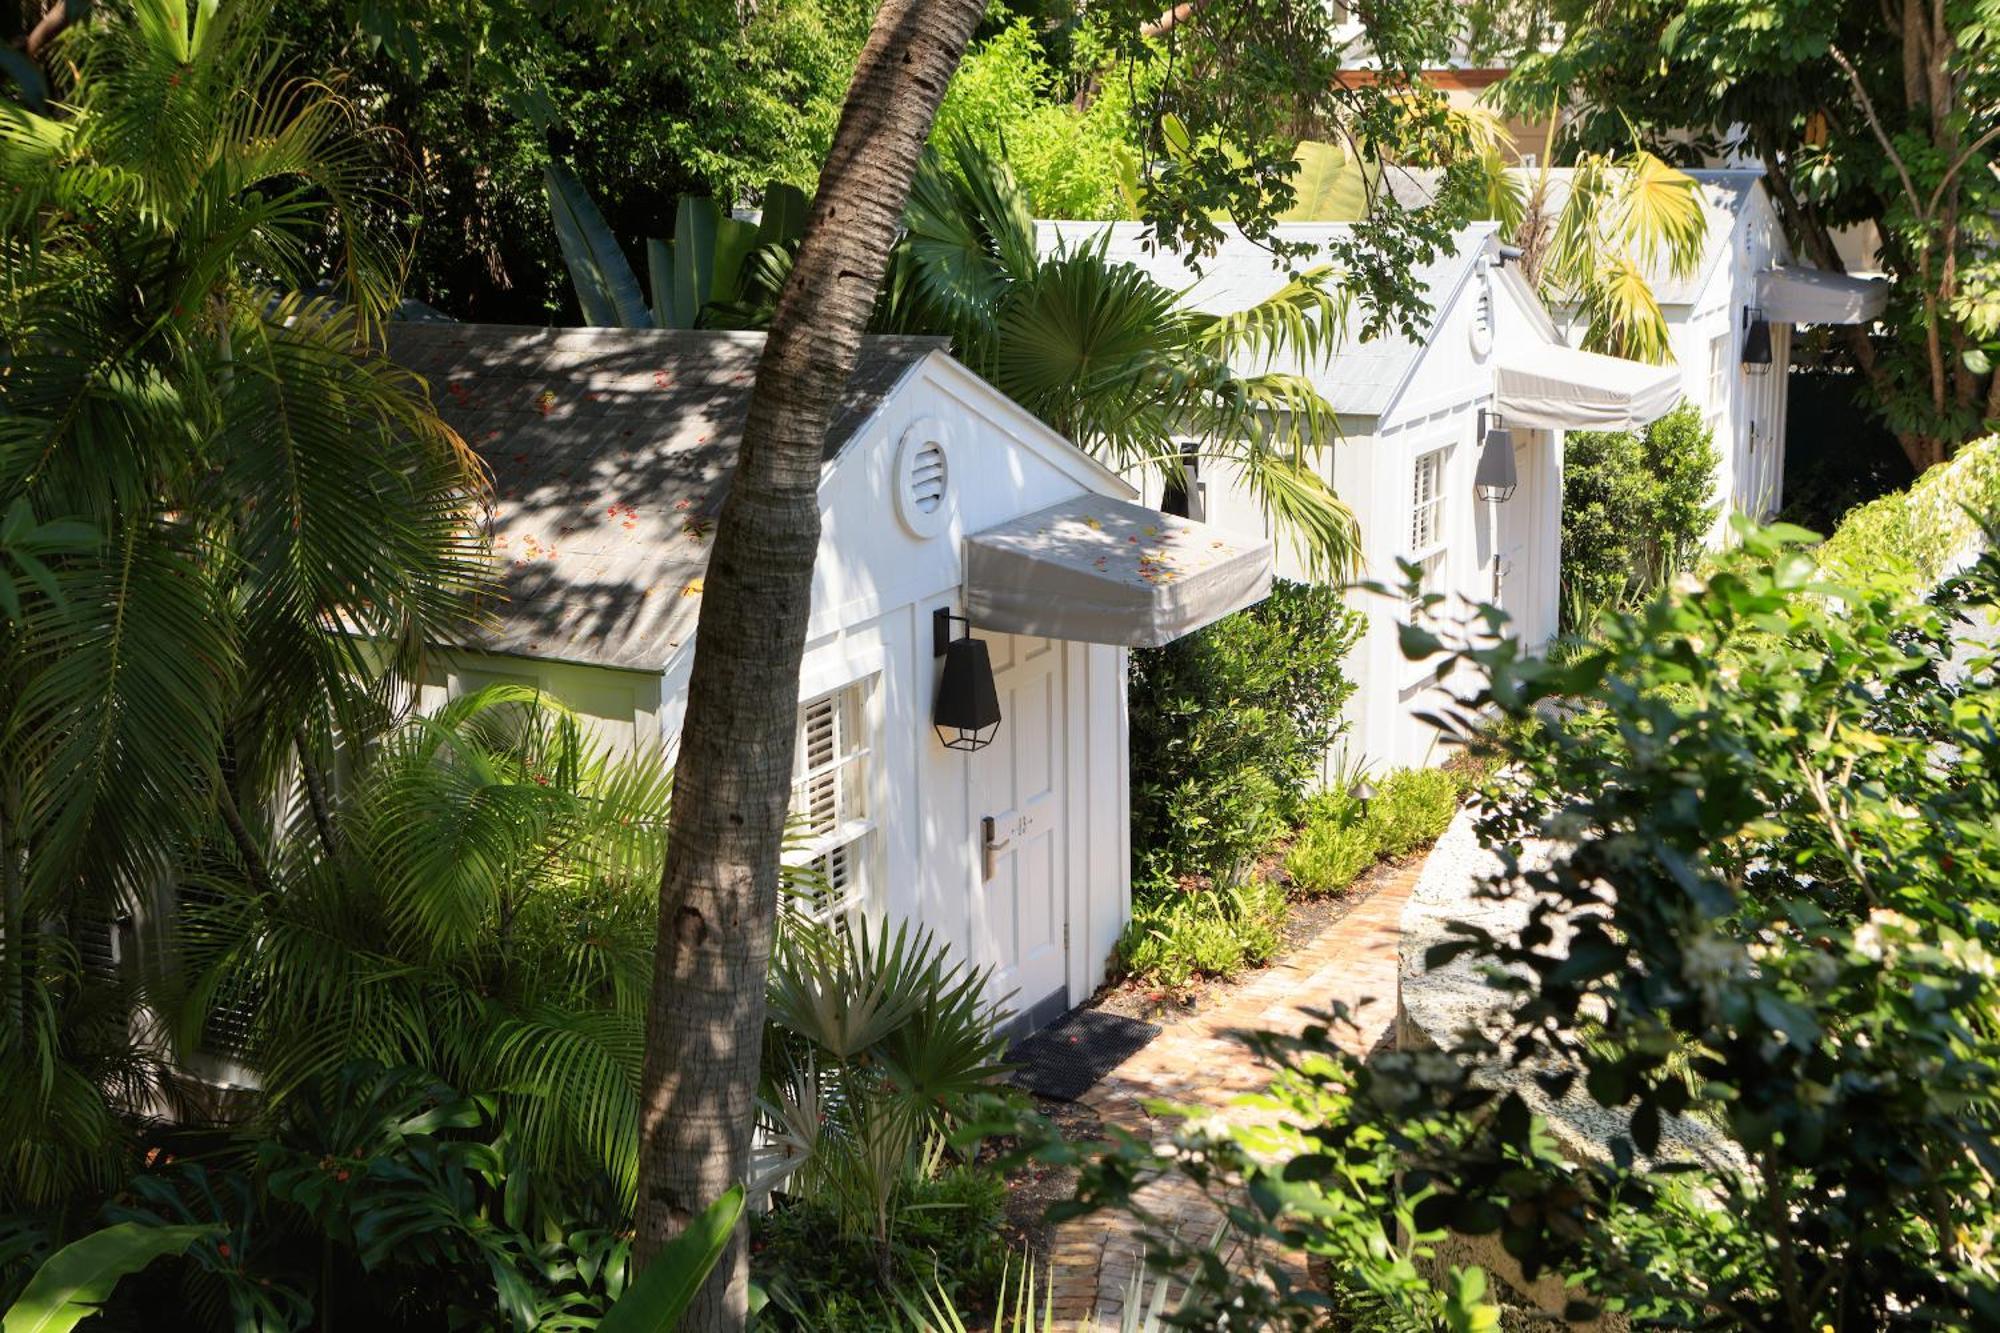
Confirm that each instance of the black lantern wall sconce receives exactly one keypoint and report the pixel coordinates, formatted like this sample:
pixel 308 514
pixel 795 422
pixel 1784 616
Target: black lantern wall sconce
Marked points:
pixel 967 711
pixel 1496 477
pixel 1756 341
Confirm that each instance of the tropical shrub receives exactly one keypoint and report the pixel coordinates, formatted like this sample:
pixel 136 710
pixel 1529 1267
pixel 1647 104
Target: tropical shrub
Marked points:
pixel 227 513
pixel 1780 949
pixel 877 1044
pixel 1412 808
pixel 1009 96
pixel 1636 509
pixel 819 1279
pixel 1175 937
pixel 382 1200
pixel 483 909
pixel 1229 727
pixel 1338 839
pixel 1330 852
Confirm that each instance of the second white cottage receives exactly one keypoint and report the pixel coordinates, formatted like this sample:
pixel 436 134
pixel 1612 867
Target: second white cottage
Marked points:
pixel 1483 393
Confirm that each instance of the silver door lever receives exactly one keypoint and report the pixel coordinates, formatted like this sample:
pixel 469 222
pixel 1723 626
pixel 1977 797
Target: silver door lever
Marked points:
pixel 991 848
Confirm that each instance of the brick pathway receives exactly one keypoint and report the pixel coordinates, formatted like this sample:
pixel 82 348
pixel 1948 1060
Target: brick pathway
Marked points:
pixel 1196 1061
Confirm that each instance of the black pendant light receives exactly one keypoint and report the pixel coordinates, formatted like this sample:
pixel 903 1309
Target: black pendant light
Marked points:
pixel 967 712
pixel 1756 341
pixel 1496 477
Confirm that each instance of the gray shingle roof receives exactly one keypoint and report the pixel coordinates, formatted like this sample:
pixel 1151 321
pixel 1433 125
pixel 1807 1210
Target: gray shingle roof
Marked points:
pixel 610 450
pixel 1360 378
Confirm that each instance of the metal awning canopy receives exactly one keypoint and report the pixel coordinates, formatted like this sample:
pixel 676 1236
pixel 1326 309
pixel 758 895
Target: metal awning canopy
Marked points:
pixel 1100 570
pixel 1561 388
pixel 1793 295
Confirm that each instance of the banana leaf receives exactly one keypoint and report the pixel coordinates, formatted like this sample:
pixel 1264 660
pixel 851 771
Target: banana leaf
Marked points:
pixel 660 1295
pixel 606 288
pixel 76 1281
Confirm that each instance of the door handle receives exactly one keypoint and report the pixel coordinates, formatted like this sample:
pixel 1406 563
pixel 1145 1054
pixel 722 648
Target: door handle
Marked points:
pixel 989 848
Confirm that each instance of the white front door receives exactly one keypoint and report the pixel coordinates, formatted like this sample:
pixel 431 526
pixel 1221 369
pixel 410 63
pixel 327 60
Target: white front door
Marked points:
pixel 1521 576
pixel 1018 794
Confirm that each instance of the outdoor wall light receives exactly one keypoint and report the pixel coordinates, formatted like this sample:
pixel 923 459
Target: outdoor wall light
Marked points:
pixel 1756 341
pixel 967 712
pixel 1496 477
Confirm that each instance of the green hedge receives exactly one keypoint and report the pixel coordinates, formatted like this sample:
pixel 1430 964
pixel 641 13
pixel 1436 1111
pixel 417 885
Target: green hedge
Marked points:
pixel 1919 531
pixel 1228 729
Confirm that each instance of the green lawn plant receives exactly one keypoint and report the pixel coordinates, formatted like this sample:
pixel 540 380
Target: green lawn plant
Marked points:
pixel 1175 936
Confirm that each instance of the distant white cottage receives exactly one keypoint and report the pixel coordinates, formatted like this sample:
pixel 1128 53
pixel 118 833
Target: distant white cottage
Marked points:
pixel 611 451
pixel 1484 392
pixel 1729 325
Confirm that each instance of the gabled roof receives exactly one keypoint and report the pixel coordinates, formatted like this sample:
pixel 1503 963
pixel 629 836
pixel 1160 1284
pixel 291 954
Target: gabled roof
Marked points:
pixel 1359 378
pixel 610 451
pixel 1725 194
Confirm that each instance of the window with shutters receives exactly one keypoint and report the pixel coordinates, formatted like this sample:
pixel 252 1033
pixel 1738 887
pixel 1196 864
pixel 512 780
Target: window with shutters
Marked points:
pixel 831 823
pixel 1427 536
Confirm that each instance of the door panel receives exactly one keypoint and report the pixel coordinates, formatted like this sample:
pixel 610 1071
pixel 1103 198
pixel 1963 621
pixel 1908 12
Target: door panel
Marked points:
pixel 1018 784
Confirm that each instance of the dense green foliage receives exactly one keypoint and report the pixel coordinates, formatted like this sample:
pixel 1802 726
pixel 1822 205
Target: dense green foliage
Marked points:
pixel 380 1199
pixel 1779 949
pixel 643 103
pixel 1856 118
pixel 1636 508
pixel 1229 729
pixel 1921 530
pixel 1073 161
pixel 1339 838
pixel 949 1243
pixel 217 493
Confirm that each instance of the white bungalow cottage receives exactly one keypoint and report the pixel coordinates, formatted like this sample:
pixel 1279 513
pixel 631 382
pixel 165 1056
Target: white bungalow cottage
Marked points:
pixel 1729 325
pixel 610 452
pixel 1424 421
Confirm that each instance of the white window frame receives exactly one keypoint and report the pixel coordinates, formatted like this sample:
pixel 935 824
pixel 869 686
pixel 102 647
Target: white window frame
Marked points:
pixel 1428 546
pixel 832 824
pixel 1721 352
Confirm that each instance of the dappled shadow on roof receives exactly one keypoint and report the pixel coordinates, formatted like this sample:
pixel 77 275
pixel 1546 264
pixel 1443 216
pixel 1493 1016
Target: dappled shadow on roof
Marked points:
pixel 611 450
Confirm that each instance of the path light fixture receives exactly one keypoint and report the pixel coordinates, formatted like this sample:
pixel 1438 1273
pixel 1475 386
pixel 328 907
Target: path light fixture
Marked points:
pixel 1497 477
pixel 1756 341
pixel 1362 792
pixel 967 711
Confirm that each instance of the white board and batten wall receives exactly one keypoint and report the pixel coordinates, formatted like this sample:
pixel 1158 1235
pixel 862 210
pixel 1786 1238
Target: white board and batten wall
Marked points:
pixel 893 818
pixel 1705 325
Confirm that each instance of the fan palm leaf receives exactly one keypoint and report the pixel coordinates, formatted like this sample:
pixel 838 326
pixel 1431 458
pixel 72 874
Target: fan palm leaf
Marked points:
pixel 1112 359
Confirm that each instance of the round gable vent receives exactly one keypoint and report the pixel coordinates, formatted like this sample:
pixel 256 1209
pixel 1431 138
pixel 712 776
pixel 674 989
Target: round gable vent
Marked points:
pixel 1481 328
pixel 923 478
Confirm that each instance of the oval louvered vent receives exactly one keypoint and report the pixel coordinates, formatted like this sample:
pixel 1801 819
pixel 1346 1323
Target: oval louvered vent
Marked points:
pixel 923 479
pixel 1480 330
pixel 927 477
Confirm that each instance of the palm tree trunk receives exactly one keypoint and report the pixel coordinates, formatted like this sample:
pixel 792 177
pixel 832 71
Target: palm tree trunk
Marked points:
pixel 732 780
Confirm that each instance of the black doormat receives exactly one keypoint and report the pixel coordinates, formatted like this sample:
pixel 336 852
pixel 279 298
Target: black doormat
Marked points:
pixel 1064 1059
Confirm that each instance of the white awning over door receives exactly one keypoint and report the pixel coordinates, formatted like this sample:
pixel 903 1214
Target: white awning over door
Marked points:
pixel 1561 388
pixel 1793 295
pixel 1099 570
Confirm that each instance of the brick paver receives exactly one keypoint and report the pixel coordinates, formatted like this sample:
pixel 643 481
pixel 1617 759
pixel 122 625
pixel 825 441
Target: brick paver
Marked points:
pixel 1197 1061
